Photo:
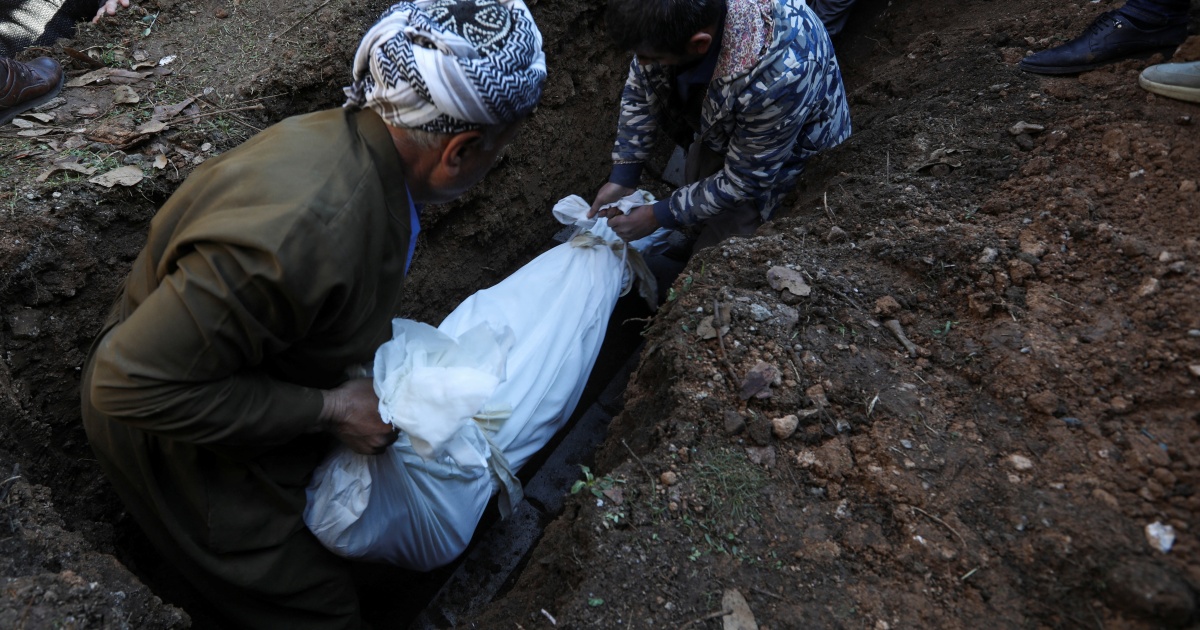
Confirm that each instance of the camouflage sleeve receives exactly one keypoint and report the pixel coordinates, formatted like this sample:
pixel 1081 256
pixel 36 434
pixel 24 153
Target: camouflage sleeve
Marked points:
pixel 637 125
pixel 796 103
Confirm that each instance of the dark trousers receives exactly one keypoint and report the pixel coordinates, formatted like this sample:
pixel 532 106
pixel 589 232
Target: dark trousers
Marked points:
pixel 25 23
pixel 1158 11
pixel 833 13
pixel 742 220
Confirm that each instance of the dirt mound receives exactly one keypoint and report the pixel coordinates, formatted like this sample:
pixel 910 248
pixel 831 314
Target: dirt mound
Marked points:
pixel 1034 240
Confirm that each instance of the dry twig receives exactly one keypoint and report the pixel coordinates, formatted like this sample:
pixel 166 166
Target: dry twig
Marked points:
pixel 712 615
pixel 943 524
pixel 653 487
pixel 301 20
pixel 734 380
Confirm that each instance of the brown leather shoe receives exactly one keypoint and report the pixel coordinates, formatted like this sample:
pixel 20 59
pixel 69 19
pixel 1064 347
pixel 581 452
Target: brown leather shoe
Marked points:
pixel 28 85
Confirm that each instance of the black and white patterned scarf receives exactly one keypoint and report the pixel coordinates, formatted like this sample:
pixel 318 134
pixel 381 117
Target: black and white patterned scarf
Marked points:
pixel 449 66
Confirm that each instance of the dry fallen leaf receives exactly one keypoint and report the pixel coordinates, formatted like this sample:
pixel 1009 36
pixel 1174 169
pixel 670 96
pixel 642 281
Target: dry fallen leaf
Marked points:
pixel 115 75
pixel 167 112
pixel 21 123
pixel 160 161
pixel 123 176
pixel 40 117
pixel 65 165
pixel 33 133
pixel 125 94
pixel 740 616
pixel 152 126
pixel 781 278
pixel 707 329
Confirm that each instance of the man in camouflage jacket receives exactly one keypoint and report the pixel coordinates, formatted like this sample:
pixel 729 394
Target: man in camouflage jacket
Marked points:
pixel 750 87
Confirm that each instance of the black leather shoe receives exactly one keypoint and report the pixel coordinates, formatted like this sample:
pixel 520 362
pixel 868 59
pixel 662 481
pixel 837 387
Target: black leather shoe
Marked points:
pixel 1110 38
pixel 28 85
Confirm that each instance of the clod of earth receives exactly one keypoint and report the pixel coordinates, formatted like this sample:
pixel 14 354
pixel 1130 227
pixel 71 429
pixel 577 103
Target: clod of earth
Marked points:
pixel 757 383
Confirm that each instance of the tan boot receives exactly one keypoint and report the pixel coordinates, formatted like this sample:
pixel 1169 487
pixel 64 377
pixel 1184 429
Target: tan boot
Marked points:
pixel 27 85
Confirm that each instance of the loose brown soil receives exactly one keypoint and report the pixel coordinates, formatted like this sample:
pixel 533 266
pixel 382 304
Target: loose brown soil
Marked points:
pixel 1007 473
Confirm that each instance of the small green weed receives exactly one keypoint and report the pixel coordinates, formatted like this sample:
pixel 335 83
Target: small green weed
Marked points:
pixel 592 484
pixel 686 286
pixel 944 329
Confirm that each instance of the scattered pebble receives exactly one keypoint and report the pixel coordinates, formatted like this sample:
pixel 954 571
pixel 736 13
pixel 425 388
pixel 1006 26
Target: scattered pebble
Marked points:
pixel 906 443
pixel 1149 287
pixel 784 427
pixel 1023 127
pixel 1160 536
pixel 1187 186
pixel 669 478
pixel 761 455
pixel 836 235
pixel 1194 369
pixel 1020 462
pixel 887 306
pixel 990 254
pixel 1074 423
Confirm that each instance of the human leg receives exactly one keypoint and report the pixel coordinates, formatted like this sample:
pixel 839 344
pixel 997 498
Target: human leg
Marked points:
pixel 833 13
pixel 1140 27
pixel 297 584
pixel 1151 13
pixel 288 580
pixel 26 23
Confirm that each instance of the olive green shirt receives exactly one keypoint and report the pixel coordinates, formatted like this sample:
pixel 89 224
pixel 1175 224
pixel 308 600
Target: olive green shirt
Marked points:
pixel 272 270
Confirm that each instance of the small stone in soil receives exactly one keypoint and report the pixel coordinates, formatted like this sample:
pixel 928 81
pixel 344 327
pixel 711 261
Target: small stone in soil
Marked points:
pixel 1020 462
pixel 784 427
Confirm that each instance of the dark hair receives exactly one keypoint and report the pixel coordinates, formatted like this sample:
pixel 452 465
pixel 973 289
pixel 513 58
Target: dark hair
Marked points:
pixel 663 26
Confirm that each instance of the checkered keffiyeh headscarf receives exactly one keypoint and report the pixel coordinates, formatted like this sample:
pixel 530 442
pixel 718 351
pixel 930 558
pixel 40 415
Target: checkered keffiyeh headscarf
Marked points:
pixel 449 66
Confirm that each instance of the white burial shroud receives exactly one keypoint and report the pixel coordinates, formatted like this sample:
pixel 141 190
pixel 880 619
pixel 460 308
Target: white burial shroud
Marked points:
pixel 475 398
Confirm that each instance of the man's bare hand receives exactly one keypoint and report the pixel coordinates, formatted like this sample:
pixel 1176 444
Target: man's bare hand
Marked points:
pixel 640 222
pixel 351 412
pixel 609 193
pixel 110 7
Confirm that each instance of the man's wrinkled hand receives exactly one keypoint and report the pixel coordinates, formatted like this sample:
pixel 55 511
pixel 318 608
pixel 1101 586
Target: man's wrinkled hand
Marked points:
pixel 351 412
pixel 110 7
pixel 609 193
pixel 639 223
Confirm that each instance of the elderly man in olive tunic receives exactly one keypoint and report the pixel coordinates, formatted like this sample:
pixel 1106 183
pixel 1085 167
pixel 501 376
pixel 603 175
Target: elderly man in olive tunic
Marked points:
pixel 219 381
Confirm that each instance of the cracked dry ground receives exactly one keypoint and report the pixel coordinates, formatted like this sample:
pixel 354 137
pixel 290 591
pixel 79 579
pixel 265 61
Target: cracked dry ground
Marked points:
pixel 1007 473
